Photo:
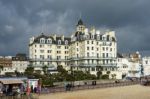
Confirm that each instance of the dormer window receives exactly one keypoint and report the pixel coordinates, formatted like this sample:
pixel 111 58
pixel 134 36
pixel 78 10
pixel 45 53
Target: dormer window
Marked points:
pixel 49 41
pixel 92 37
pixel 104 38
pixel 87 37
pixel 42 40
pixel 66 42
pixel 59 42
pixel 107 37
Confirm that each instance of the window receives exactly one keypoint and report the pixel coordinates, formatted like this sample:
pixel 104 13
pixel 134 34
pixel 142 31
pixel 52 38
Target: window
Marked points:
pixel 104 38
pixel 35 45
pixel 87 48
pixel 103 54
pixel 92 42
pixel 107 37
pixel 66 42
pixel 42 40
pixel 58 52
pixel 103 48
pixel 110 44
pixel 49 41
pixel 66 52
pixel 48 51
pixel 106 48
pixel 66 47
pixel 106 54
pixel 97 43
pixel 41 51
pixel 42 56
pixel 93 69
pixel 66 57
pixel 88 54
pixel 107 61
pixel 49 57
pixel 35 51
pixel 77 55
pixel 58 57
pixel 92 48
pixel 49 63
pixel 41 62
pixel 41 45
pixel 59 42
pixel 58 47
pixel 146 62
pixel 92 61
pixel 100 37
pixel 77 44
pixel 110 49
pixel 92 36
pixel 97 55
pixel 87 42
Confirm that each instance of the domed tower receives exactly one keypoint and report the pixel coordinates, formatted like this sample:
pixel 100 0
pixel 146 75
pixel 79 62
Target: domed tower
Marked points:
pixel 80 26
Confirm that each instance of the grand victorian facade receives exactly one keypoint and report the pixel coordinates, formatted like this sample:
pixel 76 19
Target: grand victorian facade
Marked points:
pixel 91 50
pixel 49 51
pixel 86 50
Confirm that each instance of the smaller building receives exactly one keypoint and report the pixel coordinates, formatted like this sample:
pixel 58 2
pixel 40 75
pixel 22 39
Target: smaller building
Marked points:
pixel 146 65
pixel 5 64
pixel 20 62
pixel 135 67
pixel 129 65
pixel 5 61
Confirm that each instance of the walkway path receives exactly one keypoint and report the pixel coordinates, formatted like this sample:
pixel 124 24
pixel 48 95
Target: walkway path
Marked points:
pixel 125 92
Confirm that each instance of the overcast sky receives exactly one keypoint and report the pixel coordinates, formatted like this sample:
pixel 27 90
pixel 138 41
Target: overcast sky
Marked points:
pixel 22 19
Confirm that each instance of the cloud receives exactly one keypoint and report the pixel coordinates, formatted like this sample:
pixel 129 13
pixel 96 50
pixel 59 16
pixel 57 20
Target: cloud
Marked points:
pixel 19 20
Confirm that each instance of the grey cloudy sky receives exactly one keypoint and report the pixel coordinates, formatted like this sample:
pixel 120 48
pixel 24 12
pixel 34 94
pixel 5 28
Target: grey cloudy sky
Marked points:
pixel 21 19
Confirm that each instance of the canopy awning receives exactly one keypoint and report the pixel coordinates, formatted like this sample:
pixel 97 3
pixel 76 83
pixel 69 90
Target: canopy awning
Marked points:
pixel 11 81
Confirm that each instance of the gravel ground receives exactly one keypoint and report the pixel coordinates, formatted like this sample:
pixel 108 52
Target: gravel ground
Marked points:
pixel 126 92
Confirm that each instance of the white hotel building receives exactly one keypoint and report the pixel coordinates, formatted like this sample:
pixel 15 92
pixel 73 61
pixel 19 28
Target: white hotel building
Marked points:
pixel 146 65
pixel 49 51
pixel 130 65
pixel 86 50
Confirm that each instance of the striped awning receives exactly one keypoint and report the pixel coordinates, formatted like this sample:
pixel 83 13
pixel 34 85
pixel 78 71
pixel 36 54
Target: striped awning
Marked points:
pixel 11 81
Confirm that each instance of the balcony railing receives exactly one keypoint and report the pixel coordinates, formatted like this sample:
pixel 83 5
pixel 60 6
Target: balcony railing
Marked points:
pixel 94 64
pixel 91 57
pixel 54 59
pixel 109 64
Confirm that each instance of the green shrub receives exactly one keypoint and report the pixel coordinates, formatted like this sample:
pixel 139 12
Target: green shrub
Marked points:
pixel 105 76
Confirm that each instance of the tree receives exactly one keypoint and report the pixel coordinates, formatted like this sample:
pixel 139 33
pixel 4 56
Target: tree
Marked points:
pixel 105 76
pixel 60 69
pixel 18 74
pixel 113 76
pixel 29 71
pixel 1 68
pixel 44 68
pixel 108 72
pixel 99 74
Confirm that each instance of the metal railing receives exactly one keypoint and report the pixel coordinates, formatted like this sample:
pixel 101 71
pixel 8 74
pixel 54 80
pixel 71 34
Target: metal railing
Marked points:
pixel 85 87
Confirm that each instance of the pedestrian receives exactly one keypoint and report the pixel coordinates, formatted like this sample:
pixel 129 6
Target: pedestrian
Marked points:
pixel 35 89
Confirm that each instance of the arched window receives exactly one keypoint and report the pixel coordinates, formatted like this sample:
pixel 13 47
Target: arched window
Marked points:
pixel 107 37
pixel 59 42
pixel 104 37
pixel 66 42
pixel 49 41
pixel 42 40
pixel 92 36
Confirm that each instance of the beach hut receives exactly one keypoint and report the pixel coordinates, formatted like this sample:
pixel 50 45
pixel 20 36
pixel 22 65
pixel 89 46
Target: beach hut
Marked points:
pixel 10 86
